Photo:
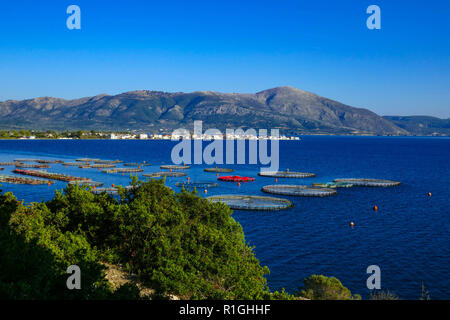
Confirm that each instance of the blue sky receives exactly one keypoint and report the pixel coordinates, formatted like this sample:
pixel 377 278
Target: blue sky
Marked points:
pixel 232 46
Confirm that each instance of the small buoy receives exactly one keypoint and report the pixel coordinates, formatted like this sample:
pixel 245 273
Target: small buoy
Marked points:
pixel 144 161
pixel 239 184
pixel 66 166
pixel 113 185
pixel 93 187
pixel 187 178
pixel 206 191
pixel 49 183
pixel 170 170
pixel 375 208
pixel 217 174
pixel 429 194
pixel 123 174
pixel 99 169
pixel 276 180
pixel 352 224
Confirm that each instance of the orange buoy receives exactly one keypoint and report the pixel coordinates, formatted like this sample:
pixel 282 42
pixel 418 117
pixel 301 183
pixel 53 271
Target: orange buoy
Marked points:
pixel 93 187
pixel 49 183
pixel 187 178
pixel 429 194
pixel 206 191
pixel 217 174
pixel 113 185
pixel 375 208
pixel 144 161
pixel 276 180
pixel 66 166
pixel 239 184
pixel 352 224
pixel 123 174
pixel 170 170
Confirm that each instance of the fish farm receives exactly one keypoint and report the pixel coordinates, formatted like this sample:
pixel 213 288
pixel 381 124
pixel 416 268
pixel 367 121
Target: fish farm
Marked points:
pixel 22 180
pixel 123 170
pixel 96 166
pixel 286 174
pixel 106 161
pixel 198 185
pixel 30 165
pixel 333 185
pixel 218 170
pixel 298 190
pixel 132 164
pixel 7 163
pixel 48 175
pixel 164 174
pixel 236 179
pixel 26 160
pixel 49 161
pixel 110 191
pixel 89 183
pixel 87 160
pixel 369 182
pixel 174 167
pixel 247 202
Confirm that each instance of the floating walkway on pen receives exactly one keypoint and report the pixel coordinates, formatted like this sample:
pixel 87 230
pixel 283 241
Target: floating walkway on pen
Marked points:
pixel 89 183
pixel 333 185
pixel 286 174
pixel 49 175
pixel 369 182
pixel 164 174
pixel 197 184
pixel 26 160
pixel 174 167
pixel 106 161
pixel 45 161
pixel 298 190
pixel 247 202
pixel 22 180
pixel 123 170
pixel 218 170
pixel 87 160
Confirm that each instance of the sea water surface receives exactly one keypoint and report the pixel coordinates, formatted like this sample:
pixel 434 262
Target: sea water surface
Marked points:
pixel 408 237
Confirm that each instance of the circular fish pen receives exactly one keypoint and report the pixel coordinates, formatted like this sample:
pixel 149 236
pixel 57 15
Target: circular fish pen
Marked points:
pixel 298 190
pixel 107 161
pixel 26 160
pixel 286 174
pixel 197 184
pixel 89 183
pixel 256 203
pixel 369 182
pixel 218 170
pixel 164 174
pixel 96 166
pixel 174 167
pixel 49 161
pixel 87 160
pixel 132 164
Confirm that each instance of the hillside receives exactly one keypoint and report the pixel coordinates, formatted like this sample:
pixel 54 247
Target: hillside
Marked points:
pixel 292 110
pixel 422 125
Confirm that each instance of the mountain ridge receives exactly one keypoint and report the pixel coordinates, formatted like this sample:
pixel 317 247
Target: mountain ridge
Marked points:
pixel 292 110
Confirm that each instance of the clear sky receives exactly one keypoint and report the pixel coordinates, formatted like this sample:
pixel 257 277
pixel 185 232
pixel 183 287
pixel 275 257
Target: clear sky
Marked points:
pixel 232 46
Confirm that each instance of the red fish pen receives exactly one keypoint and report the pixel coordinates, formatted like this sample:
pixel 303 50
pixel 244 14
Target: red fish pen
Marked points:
pixel 49 175
pixel 236 179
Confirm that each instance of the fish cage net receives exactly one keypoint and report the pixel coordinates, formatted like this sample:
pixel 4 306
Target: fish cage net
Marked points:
pixel 286 174
pixel 369 182
pixel 218 170
pixel 174 167
pixel 247 202
pixel 197 184
pixel 296 190
pixel 164 174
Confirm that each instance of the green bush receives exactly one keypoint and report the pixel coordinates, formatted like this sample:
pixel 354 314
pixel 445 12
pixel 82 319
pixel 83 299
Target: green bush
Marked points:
pixel 319 287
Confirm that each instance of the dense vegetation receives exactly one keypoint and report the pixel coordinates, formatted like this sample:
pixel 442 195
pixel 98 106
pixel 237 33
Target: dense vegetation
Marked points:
pixel 177 244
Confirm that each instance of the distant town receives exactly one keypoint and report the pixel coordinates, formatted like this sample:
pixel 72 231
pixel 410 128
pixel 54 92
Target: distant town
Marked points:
pixel 92 134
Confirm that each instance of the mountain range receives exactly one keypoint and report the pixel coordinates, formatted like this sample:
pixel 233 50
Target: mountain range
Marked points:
pixel 292 110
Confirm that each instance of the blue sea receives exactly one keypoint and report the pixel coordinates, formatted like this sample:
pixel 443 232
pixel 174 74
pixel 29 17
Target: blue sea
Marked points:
pixel 408 237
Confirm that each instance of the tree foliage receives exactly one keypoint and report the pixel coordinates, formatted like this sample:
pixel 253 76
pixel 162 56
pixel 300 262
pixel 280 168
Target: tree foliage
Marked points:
pixel 319 287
